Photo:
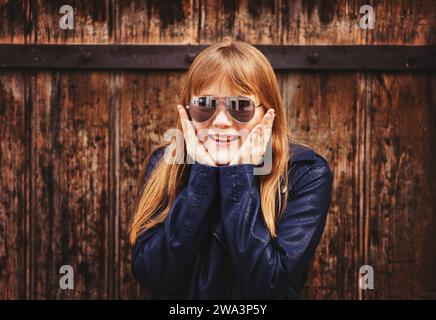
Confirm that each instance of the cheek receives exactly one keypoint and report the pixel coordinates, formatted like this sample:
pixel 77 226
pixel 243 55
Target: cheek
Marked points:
pixel 201 130
pixel 253 122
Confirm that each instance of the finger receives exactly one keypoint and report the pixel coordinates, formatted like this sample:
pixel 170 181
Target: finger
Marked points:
pixel 184 119
pixel 267 116
pixel 182 112
pixel 187 132
pixel 193 143
pixel 254 133
pixel 270 116
pixel 244 153
pixel 187 127
pixel 182 122
pixel 264 119
pixel 260 137
pixel 261 134
pixel 256 144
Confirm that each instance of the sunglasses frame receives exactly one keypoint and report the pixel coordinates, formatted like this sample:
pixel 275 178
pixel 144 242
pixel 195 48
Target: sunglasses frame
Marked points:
pixel 225 99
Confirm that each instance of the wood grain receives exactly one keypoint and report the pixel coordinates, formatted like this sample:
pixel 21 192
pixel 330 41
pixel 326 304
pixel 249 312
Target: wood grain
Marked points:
pixel 147 111
pixel 70 194
pixel 323 111
pixel 72 143
pixel 399 211
pixel 14 182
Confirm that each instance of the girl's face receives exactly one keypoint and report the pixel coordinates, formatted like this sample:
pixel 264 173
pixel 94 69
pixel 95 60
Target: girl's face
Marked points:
pixel 221 135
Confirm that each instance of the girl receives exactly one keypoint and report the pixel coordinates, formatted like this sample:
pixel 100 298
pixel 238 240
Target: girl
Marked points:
pixel 230 222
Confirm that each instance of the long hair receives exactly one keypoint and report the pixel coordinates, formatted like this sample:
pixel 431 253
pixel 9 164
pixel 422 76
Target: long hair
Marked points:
pixel 245 69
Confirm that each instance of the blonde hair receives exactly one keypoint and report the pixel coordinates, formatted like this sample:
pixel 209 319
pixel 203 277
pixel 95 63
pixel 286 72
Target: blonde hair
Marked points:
pixel 244 68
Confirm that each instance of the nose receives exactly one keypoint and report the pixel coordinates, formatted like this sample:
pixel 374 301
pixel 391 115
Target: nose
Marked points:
pixel 222 120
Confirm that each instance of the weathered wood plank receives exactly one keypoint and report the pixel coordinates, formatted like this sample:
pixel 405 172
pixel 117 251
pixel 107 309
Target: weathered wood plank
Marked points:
pixel 114 106
pixel 70 212
pixel 37 21
pixel 400 202
pixel 405 22
pixel 323 111
pixel 201 21
pixel 147 111
pixel 14 182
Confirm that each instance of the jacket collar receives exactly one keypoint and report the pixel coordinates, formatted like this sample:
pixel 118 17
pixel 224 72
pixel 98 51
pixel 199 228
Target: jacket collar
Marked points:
pixel 301 153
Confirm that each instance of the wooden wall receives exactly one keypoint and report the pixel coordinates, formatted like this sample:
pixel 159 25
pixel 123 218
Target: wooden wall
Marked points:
pixel 72 143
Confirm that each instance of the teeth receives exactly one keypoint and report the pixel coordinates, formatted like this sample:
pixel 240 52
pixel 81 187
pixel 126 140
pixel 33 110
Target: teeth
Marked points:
pixel 224 139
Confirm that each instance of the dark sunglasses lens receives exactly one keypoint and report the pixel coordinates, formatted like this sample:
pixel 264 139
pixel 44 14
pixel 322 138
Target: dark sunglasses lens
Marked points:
pixel 200 113
pixel 241 109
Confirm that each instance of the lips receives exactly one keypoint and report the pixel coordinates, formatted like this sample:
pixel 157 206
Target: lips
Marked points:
pixel 223 139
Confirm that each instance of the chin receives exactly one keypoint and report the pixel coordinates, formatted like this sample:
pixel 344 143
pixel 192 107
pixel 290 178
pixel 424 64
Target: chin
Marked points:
pixel 222 158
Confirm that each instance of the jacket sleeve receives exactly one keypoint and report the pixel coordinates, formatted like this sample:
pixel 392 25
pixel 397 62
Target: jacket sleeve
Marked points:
pixel 273 268
pixel 163 254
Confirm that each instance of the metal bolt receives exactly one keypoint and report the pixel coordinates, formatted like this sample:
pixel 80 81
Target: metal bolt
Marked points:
pixel 86 56
pixel 190 57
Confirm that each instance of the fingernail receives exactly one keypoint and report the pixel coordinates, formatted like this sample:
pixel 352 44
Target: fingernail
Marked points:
pixel 179 107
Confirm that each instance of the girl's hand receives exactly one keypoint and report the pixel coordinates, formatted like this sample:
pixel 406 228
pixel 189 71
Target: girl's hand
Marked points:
pixel 194 147
pixel 253 149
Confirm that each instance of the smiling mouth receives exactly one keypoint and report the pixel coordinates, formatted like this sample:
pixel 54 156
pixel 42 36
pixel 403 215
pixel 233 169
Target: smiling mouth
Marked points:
pixel 223 139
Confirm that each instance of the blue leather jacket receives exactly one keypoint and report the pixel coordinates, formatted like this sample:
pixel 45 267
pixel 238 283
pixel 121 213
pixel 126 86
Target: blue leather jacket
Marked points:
pixel 214 243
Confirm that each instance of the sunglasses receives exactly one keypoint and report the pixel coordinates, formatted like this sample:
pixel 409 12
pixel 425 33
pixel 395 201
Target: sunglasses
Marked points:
pixel 203 108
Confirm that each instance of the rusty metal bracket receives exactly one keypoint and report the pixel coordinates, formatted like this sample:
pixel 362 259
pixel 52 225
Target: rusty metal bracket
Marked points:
pixel 174 57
